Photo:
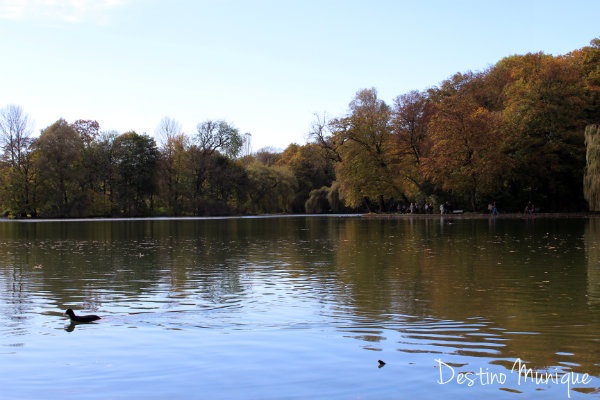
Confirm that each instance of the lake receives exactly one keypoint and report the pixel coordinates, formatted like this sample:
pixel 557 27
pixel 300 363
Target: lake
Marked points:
pixel 301 307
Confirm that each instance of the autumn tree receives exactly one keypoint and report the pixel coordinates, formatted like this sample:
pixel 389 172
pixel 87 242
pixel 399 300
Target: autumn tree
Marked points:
pixel 363 140
pixel 591 180
pixel 411 115
pixel 311 168
pixel 544 114
pixel 587 61
pixel 87 129
pixel 410 119
pixel 466 153
pixel 58 156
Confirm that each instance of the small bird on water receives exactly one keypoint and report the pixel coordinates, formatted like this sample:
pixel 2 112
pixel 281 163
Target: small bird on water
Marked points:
pixel 381 363
pixel 81 318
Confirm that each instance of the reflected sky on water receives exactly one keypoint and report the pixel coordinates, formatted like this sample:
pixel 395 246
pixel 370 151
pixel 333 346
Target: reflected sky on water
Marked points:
pixel 298 307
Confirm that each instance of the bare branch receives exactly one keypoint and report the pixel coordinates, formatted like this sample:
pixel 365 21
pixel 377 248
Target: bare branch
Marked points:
pixel 321 133
pixel 167 129
pixel 15 129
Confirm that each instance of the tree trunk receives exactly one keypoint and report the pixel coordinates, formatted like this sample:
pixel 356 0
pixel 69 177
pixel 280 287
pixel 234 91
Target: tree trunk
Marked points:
pixel 367 204
pixel 381 203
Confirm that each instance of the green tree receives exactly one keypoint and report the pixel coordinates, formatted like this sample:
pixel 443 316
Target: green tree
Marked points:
pixel 325 199
pixel 267 156
pixel 317 201
pixel 219 135
pixel 272 189
pixel 212 137
pixel 226 184
pixel 135 166
pixel 100 165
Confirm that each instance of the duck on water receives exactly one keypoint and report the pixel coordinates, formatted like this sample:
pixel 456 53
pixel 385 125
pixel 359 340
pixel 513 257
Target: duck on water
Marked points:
pixel 81 318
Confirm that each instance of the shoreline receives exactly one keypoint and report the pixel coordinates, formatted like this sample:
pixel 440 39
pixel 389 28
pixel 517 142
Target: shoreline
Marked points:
pixel 469 215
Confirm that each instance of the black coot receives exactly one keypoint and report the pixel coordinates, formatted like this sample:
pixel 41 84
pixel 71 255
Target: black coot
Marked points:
pixel 81 318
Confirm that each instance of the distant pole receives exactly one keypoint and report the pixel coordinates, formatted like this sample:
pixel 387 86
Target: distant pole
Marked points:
pixel 247 143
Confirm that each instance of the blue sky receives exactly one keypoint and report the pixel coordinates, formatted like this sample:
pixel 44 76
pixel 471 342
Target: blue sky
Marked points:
pixel 264 66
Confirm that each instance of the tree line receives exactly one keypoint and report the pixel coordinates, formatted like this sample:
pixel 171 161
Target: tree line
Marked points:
pixel 76 170
pixel 512 133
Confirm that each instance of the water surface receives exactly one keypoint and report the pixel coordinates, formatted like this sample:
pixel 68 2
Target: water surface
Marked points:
pixel 300 307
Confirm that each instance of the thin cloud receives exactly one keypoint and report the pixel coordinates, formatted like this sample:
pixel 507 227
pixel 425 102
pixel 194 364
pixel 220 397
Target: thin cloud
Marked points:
pixel 57 10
